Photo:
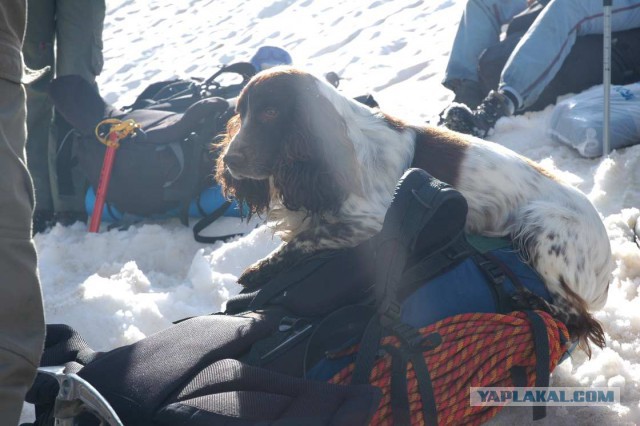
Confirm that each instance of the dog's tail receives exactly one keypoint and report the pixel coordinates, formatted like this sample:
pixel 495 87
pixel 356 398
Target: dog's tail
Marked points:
pixel 569 247
pixel 572 310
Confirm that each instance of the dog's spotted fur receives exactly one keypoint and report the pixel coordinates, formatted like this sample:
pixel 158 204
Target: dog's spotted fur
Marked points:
pixel 324 168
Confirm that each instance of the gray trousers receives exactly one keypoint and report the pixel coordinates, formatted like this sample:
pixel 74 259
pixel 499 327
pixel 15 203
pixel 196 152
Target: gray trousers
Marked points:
pixel 21 310
pixel 67 36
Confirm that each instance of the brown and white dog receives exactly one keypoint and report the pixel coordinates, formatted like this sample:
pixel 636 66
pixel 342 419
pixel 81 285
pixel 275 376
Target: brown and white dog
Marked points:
pixel 324 167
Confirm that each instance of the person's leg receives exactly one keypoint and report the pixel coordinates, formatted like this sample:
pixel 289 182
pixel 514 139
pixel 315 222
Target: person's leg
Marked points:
pixel 542 50
pixel 21 310
pixel 79 25
pixel 479 28
pixel 38 53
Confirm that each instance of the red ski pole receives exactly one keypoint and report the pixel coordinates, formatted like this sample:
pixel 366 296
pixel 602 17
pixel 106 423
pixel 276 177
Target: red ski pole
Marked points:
pixel 118 131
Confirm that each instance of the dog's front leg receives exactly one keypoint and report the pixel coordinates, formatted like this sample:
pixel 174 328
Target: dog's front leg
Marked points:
pixel 281 259
pixel 326 237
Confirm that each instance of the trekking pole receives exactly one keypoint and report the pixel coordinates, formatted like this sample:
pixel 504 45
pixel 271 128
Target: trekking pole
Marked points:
pixel 117 131
pixel 606 76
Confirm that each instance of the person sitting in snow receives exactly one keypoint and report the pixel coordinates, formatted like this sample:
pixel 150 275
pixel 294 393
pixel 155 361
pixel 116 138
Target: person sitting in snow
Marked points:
pixel 532 65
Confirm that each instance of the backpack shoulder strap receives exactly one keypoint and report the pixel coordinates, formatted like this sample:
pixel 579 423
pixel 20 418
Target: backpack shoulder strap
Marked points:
pixel 422 233
pixel 210 87
pixel 208 220
pixel 413 227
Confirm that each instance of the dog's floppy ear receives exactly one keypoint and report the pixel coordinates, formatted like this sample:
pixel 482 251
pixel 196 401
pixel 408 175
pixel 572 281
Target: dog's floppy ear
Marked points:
pixel 253 193
pixel 318 169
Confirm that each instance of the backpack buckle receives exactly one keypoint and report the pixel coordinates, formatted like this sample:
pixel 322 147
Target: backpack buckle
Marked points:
pixel 431 341
pixel 491 269
pixel 390 311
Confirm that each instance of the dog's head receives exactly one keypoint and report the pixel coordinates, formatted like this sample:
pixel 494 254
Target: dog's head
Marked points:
pixel 288 141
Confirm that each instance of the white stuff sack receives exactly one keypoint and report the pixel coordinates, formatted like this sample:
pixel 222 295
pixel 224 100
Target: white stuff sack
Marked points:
pixel 578 121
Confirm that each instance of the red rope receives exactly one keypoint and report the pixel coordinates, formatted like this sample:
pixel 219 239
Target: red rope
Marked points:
pixel 477 350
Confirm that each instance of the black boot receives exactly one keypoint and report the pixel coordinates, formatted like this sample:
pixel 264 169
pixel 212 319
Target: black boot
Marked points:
pixel 68 218
pixel 468 92
pixel 478 122
pixel 42 219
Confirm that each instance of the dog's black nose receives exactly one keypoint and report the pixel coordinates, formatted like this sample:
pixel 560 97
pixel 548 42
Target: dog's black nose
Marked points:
pixel 233 159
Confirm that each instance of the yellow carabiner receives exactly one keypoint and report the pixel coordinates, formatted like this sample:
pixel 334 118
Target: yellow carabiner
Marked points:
pixel 118 130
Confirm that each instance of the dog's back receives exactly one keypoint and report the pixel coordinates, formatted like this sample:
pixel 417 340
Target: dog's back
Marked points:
pixel 555 226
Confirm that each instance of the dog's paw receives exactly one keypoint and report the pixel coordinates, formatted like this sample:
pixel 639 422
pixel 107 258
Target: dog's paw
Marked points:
pixel 271 266
pixel 262 272
pixel 254 275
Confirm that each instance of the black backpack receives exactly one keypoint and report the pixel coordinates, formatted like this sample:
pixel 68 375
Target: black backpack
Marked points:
pixel 167 162
pixel 257 363
pixel 581 69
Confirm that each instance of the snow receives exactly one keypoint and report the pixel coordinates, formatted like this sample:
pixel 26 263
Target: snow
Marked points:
pixel 117 287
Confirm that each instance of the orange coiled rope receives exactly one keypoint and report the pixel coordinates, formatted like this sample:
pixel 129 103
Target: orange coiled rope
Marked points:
pixel 476 350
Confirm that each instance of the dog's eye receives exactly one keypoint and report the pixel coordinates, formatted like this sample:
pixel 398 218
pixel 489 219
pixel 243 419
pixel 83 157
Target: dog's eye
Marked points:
pixel 269 113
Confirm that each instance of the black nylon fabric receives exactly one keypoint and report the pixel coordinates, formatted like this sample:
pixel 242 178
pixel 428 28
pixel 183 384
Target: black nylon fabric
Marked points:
pixel 315 295
pixel 229 392
pixel 64 344
pixel 308 296
pixel 137 379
